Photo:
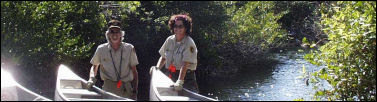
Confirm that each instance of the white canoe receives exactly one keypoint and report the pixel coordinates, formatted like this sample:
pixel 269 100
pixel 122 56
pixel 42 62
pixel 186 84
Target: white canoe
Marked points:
pixel 70 87
pixel 13 91
pixel 160 90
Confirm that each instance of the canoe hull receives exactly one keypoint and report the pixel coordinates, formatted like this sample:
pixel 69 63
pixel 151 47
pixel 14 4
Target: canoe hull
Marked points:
pixel 160 90
pixel 70 87
pixel 13 91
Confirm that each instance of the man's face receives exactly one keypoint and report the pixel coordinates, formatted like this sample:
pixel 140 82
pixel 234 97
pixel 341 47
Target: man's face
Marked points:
pixel 115 35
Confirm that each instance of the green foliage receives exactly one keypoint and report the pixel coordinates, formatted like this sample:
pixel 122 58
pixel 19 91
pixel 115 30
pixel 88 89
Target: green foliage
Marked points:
pixel 350 55
pixel 256 23
pixel 302 19
pixel 299 99
pixel 51 32
pixel 305 41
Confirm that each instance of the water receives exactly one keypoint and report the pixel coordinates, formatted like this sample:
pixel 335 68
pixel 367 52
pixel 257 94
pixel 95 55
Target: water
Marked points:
pixel 279 82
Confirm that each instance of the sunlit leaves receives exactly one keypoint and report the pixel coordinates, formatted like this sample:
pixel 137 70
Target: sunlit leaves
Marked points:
pixel 130 6
pixel 350 53
pixel 257 24
pixel 52 30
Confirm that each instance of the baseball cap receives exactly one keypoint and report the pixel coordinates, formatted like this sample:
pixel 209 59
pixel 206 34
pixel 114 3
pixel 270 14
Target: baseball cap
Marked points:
pixel 114 24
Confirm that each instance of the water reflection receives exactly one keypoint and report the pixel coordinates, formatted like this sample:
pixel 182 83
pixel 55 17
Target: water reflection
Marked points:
pixel 273 82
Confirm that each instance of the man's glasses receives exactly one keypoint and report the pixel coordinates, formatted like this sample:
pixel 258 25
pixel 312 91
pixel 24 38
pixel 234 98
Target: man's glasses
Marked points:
pixel 178 26
pixel 114 31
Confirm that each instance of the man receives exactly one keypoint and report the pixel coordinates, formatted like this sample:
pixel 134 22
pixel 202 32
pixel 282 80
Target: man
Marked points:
pixel 117 61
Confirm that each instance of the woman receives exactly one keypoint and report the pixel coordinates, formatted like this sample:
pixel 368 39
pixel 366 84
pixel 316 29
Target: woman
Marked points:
pixel 179 54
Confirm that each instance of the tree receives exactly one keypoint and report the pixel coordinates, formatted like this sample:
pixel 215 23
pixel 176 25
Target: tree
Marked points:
pixel 54 30
pixel 350 54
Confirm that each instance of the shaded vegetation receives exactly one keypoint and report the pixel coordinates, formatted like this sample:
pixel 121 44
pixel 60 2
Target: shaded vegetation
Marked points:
pixel 231 36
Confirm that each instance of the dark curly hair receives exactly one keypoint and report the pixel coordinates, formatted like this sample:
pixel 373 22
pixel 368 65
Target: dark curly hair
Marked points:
pixel 187 22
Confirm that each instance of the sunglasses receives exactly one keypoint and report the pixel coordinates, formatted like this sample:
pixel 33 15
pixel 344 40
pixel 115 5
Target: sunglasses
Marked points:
pixel 114 31
pixel 178 26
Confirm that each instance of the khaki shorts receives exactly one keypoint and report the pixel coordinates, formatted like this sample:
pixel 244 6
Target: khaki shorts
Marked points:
pixel 124 91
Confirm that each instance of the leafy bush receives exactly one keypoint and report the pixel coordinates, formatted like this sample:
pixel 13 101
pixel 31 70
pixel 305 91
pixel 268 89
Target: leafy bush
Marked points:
pixel 47 33
pixel 350 54
pixel 255 23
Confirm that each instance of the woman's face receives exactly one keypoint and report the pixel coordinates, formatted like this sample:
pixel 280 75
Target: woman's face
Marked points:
pixel 179 28
pixel 114 35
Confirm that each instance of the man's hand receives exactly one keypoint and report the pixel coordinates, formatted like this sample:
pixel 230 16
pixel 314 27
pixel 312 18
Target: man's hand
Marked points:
pixel 91 82
pixel 178 85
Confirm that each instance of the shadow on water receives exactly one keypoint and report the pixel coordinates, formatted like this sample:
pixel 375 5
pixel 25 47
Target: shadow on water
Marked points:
pixel 275 79
pixel 248 77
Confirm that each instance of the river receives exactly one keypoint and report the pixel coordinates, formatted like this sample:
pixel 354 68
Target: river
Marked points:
pixel 274 82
